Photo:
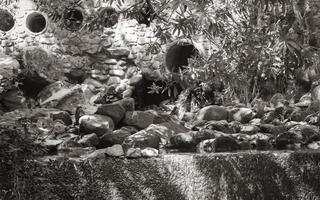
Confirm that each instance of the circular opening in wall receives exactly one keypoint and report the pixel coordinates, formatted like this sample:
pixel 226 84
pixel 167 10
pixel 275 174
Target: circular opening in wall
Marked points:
pixel 73 19
pixel 36 22
pixel 7 20
pixel 178 54
pixel 109 17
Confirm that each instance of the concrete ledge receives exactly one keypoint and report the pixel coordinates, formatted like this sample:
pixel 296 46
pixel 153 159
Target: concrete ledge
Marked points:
pixel 245 176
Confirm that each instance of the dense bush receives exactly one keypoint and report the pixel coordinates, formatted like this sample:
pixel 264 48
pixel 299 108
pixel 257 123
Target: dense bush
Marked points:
pixel 17 147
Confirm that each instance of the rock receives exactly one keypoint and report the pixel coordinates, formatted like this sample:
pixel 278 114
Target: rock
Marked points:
pixel 283 140
pixel 277 100
pixel 243 115
pixel 222 126
pixel 260 141
pixel 113 110
pixel 275 130
pixel 306 133
pixel 255 121
pixel 118 52
pixel 98 154
pixel 90 140
pixel 184 141
pixel 61 115
pixel 44 63
pixel 314 107
pixel 304 101
pixel 58 128
pixel 10 67
pixel 113 80
pixel 62 98
pixel 245 145
pixel 133 153
pixel 213 113
pixel 51 89
pixel 149 152
pixel 52 145
pixel 115 151
pixel 98 124
pixel 219 144
pixel 127 103
pixel 259 106
pixel 13 99
pixel 235 126
pixel 298 114
pixel 315 94
pixel 249 129
pixel 314 145
pixel 76 76
pixel 142 139
pixel 134 80
pixel 76 151
pixel 66 145
pixel 116 137
pixel 138 119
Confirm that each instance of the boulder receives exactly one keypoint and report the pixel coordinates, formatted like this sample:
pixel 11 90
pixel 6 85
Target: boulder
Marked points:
pixel 99 124
pixel 115 151
pixel 221 125
pixel 219 144
pixel 13 99
pixel 52 145
pixel 133 153
pixel 277 100
pixel 10 67
pixel 306 133
pixel 213 113
pixel 249 129
pixel 128 104
pixel 315 94
pixel 149 152
pixel 243 115
pixel 275 130
pixel 62 97
pixel 261 141
pixel 314 145
pixel 44 63
pixel 64 116
pixel 139 119
pixel 304 101
pixel 90 140
pixel 116 137
pixel 184 141
pixel 114 110
pixel 142 139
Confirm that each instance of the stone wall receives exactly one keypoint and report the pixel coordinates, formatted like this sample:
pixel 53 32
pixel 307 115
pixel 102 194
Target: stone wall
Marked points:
pixel 106 53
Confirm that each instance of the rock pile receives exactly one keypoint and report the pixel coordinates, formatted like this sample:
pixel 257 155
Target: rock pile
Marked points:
pixel 94 119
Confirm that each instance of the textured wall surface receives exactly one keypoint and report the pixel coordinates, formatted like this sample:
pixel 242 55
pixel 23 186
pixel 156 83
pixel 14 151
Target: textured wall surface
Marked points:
pixel 246 176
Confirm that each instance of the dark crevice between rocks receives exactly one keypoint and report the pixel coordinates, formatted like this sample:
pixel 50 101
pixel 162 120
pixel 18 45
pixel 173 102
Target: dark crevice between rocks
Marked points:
pixel 31 84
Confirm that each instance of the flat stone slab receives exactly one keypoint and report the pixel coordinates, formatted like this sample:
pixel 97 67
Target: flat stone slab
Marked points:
pixel 242 175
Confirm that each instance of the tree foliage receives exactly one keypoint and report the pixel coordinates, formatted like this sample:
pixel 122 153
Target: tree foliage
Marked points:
pixel 257 42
